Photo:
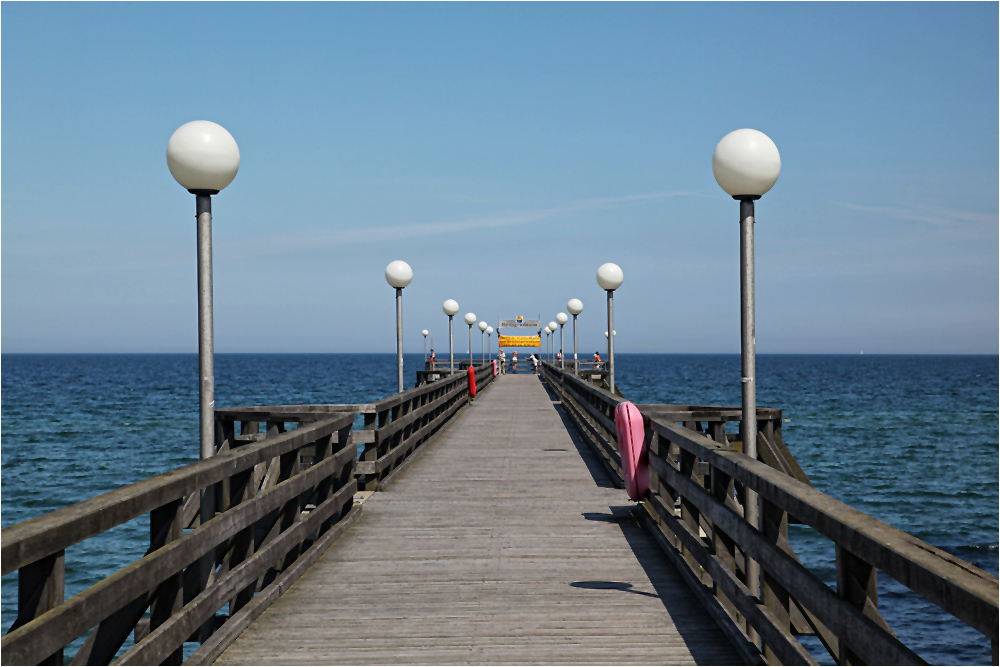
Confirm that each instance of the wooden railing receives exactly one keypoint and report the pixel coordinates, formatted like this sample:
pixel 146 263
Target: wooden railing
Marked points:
pixel 698 478
pixel 281 502
pixel 281 496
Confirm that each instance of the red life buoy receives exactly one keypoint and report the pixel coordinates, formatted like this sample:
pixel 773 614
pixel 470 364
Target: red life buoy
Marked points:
pixel 472 381
pixel 494 362
pixel 632 447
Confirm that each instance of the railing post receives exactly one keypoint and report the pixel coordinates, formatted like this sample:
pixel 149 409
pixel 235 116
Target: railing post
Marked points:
pixel 165 526
pixel 41 586
pixel 774 528
pixel 857 583
pixel 369 453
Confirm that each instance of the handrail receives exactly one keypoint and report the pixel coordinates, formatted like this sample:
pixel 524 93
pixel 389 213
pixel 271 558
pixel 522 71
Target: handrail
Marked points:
pixel 273 508
pixel 694 506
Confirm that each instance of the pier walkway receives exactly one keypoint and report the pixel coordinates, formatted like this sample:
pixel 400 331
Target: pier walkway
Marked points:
pixel 504 542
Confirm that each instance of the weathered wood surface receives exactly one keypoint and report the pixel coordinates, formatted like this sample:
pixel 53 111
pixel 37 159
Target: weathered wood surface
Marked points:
pixel 697 486
pixel 503 543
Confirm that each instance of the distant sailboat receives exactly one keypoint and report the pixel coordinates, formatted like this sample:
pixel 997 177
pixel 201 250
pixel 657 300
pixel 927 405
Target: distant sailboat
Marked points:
pixel 862 351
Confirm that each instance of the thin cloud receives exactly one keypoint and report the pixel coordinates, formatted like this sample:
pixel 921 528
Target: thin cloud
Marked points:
pixel 934 216
pixel 378 234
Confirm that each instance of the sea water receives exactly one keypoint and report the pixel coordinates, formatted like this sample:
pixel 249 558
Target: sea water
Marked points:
pixel 911 440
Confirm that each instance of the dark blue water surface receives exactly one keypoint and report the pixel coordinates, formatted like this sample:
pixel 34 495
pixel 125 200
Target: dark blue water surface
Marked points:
pixel 911 440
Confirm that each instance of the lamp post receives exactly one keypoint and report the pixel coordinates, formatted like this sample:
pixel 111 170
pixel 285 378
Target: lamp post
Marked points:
pixel 489 341
pixel 450 308
pixel 425 332
pixel 552 349
pixel 482 338
pixel 575 307
pixel 746 165
pixel 609 277
pixel 562 319
pixel 470 319
pixel 547 332
pixel 399 274
pixel 204 158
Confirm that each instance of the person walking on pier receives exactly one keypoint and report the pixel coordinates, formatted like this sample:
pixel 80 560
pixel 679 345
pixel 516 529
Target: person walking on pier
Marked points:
pixel 514 360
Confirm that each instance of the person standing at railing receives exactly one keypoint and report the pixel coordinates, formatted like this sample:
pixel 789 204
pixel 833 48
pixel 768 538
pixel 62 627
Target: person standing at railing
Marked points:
pixel 514 360
pixel 559 355
pixel 431 358
pixel 503 362
pixel 534 364
pixel 597 360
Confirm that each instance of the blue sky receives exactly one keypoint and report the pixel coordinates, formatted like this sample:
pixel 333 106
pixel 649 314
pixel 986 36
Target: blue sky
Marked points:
pixel 505 151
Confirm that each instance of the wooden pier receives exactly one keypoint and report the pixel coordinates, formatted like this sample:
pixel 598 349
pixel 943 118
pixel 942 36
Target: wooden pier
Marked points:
pixel 465 531
pixel 498 545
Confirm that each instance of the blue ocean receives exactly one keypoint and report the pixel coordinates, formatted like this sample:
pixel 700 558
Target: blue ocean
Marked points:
pixel 911 440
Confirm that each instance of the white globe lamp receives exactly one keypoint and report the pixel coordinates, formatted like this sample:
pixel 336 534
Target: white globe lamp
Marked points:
pixel 470 319
pixel 746 165
pixel 450 309
pixel 575 307
pixel 204 158
pixel 609 277
pixel 398 274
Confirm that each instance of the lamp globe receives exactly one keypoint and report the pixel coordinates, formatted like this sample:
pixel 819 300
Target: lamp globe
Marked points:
pixel 450 307
pixel 202 156
pixel 398 274
pixel 470 318
pixel 574 306
pixel 746 164
pixel 609 276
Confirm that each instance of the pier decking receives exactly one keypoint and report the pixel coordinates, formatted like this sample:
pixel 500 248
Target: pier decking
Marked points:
pixel 504 543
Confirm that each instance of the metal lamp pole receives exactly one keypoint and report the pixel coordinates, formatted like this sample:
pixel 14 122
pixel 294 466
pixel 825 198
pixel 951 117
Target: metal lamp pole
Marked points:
pixel 482 340
pixel 575 307
pixel 561 318
pixel 450 309
pixel 399 274
pixel 425 332
pixel 204 158
pixel 470 319
pixel 609 277
pixel 746 165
